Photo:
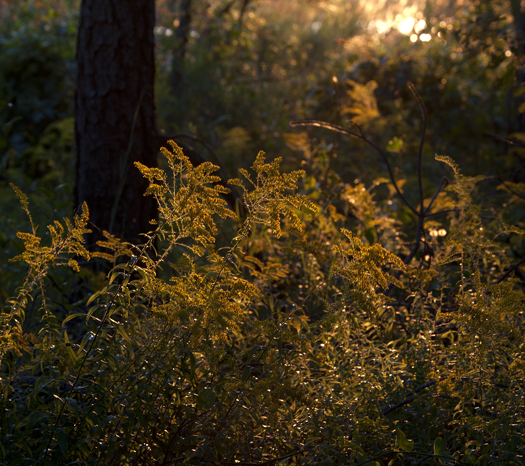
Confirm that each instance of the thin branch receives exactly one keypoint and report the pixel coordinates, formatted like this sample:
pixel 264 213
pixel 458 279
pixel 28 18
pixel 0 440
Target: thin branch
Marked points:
pixel 442 184
pixel 425 385
pixel 409 453
pixel 520 195
pixel 411 396
pixel 200 141
pixel 401 404
pixel 439 212
pixel 280 458
pixel 362 137
pixel 123 168
pixel 226 9
pixel 421 213
pixel 508 272
pixel 244 7
pixel 505 139
pixel 419 234
pixel 422 140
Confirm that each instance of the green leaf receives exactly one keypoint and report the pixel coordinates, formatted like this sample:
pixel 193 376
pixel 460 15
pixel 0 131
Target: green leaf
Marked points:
pixel 364 460
pixel 113 276
pixel 395 145
pixel 519 91
pixel 34 418
pixel 193 364
pixel 91 311
pixel 123 334
pixel 61 440
pixel 206 398
pixel 74 406
pixel 402 442
pixel 71 317
pixel 126 292
pixel 246 373
pixel 81 445
pixel 440 450
pixel 85 339
pixel 94 295
pixel 371 236
pixel 69 349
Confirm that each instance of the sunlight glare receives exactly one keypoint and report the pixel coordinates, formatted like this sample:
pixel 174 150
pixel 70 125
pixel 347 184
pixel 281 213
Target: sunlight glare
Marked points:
pixel 379 26
pixel 406 26
pixel 316 26
pixel 420 26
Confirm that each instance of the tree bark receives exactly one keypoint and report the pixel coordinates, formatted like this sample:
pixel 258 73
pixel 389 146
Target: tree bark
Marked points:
pixel 181 45
pixel 115 121
pixel 519 25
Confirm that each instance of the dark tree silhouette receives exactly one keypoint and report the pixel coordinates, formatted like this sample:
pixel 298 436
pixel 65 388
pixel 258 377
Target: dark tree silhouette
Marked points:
pixel 115 114
pixel 115 121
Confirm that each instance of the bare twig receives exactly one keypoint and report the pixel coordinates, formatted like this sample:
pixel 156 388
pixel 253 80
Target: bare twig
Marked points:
pixel 401 404
pixel 505 183
pixel 419 234
pixel 409 453
pixel 440 212
pixel 123 168
pixel 244 7
pixel 505 139
pixel 202 142
pixel 425 385
pixel 362 137
pixel 442 184
pixel 421 142
pixel 226 9
pixel 411 396
pixel 508 272
pixel 421 213
pixel 262 463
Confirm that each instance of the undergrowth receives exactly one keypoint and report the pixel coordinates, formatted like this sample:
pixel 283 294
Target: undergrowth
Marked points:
pixel 321 334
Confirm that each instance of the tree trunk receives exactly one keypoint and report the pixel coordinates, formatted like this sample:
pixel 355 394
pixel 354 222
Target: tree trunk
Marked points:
pixel 519 24
pixel 115 123
pixel 181 44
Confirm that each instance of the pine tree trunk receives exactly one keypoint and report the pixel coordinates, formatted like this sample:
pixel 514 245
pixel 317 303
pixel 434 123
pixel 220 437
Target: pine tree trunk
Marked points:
pixel 115 122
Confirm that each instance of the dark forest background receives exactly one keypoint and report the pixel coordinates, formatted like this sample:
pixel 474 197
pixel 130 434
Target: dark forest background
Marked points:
pixel 356 297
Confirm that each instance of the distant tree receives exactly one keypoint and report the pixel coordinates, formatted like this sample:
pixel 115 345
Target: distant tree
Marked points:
pixel 519 24
pixel 115 123
pixel 181 44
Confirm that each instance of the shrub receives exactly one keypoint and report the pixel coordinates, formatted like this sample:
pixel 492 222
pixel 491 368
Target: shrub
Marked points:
pixel 292 344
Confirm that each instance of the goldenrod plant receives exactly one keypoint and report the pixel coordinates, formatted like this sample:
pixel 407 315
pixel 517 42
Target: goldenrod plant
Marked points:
pixel 302 341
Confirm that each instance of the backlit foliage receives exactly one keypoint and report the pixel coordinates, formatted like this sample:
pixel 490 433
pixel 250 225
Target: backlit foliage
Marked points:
pixel 303 340
pixel 66 246
pixel 324 324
